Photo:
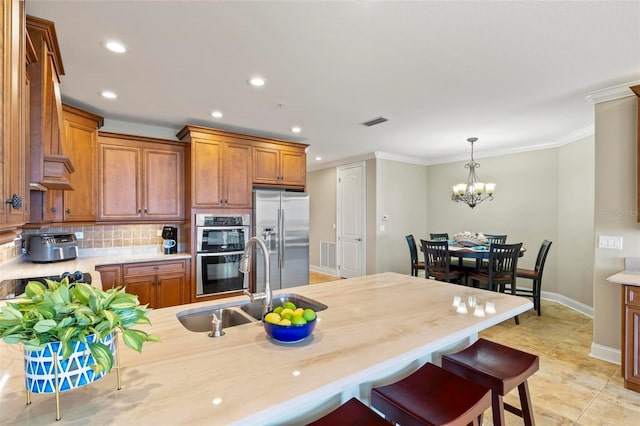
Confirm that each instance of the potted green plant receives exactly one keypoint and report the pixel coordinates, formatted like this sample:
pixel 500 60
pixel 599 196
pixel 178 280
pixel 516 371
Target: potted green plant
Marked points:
pixel 68 315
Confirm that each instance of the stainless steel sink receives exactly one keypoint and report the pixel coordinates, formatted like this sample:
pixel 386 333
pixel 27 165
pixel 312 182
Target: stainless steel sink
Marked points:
pixel 201 321
pixel 255 308
pixel 238 313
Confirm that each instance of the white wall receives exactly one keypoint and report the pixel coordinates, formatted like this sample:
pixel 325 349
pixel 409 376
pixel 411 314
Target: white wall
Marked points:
pixel 616 212
pixel 402 196
pixel 574 245
pixel 321 185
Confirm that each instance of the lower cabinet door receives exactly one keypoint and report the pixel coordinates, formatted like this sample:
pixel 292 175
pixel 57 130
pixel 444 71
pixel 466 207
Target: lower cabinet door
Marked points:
pixel 142 286
pixel 110 275
pixel 169 290
pixel 632 347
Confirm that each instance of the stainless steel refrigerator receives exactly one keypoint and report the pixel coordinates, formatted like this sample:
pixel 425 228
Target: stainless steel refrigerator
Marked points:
pixel 281 219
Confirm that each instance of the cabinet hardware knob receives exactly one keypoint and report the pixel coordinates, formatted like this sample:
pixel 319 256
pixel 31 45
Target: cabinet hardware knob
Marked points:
pixel 68 211
pixel 145 210
pixel 15 201
pixel 139 210
pixel 53 209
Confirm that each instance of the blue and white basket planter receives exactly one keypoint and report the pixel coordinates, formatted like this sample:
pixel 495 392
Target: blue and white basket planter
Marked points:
pixel 73 372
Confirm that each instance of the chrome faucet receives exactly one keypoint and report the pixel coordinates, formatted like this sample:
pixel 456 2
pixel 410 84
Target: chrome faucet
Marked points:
pixel 266 296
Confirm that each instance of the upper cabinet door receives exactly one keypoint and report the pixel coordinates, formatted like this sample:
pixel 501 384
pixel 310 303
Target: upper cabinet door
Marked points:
pixel 81 144
pixel 120 189
pixel 14 120
pixel 237 176
pixel 163 183
pixel 140 179
pixel 220 164
pixel 206 173
pixel 275 165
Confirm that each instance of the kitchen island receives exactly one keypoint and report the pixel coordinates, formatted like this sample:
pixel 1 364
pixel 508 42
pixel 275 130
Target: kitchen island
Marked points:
pixel 375 330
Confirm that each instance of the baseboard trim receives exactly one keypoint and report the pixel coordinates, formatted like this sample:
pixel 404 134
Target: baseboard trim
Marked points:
pixel 568 302
pixel 605 353
pixel 322 270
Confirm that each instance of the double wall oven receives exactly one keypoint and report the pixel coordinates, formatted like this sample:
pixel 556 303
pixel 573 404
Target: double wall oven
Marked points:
pixel 220 242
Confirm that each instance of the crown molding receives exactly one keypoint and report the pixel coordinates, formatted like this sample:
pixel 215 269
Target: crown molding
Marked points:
pixel 611 93
pixel 402 158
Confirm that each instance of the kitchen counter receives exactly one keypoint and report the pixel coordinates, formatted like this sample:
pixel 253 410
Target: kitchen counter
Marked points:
pixel 376 329
pixel 85 262
pixel 626 277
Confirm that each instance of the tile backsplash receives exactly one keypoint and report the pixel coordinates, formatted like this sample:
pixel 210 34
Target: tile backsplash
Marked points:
pixel 100 236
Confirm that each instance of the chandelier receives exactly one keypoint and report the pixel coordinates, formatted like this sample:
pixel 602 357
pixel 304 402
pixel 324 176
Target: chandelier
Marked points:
pixel 472 192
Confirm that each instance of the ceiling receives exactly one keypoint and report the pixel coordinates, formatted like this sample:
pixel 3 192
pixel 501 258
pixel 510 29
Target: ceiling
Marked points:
pixel 513 74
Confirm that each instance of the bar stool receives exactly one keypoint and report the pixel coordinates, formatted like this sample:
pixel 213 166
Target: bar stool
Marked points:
pixel 351 413
pixel 502 369
pixel 432 396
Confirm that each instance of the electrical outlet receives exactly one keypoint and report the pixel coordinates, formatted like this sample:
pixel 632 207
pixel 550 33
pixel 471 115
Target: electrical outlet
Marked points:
pixel 609 242
pixel 159 233
pixel 79 235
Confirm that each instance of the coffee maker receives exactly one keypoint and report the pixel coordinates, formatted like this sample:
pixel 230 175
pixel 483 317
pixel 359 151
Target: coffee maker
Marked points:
pixel 170 239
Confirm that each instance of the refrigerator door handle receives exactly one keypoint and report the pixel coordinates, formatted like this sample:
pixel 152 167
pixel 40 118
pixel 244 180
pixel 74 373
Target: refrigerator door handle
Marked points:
pixel 279 238
pixel 284 239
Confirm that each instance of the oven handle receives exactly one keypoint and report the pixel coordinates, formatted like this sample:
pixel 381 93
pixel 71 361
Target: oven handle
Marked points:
pixel 218 253
pixel 215 228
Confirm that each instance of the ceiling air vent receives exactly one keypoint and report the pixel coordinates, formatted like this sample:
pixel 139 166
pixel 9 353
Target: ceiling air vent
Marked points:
pixel 374 121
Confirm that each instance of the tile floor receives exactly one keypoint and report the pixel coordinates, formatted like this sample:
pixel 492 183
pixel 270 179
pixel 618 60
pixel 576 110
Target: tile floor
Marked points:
pixel 571 388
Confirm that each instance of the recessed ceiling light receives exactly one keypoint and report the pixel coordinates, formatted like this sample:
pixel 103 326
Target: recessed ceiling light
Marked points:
pixel 216 114
pixel 296 129
pixel 256 81
pixel 115 46
pixel 109 95
pixel 318 158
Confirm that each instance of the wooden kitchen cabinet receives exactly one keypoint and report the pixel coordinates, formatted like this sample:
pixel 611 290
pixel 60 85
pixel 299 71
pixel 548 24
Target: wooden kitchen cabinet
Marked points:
pixel 159 284
pixel 220 165
pixel 16 53
pixel 631 337
pixel 110 275
pixel 139 178
pixel 279 166
pixel 81 145
pixel 50 167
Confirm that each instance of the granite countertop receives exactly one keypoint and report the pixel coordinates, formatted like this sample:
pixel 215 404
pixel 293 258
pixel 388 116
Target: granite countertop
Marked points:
pixel 626 277
pixel 374 326
pixel 86 261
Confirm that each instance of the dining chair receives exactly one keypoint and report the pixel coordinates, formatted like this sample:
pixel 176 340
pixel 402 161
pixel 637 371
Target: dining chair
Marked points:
pixel 500 270
pixel 413 252
pixel 437 262
pixel 501 267
pixel 535 275
pixel 439 237
pixel 496 239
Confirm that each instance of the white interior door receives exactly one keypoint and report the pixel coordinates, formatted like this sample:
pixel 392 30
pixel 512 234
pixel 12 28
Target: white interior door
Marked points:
pixel 351 220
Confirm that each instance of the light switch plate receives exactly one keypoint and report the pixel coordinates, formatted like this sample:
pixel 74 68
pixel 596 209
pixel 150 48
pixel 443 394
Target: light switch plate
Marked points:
pixel 609 242
pixel 79 235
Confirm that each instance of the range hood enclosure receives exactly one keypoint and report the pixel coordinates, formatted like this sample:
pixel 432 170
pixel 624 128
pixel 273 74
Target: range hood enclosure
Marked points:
pixel 50 168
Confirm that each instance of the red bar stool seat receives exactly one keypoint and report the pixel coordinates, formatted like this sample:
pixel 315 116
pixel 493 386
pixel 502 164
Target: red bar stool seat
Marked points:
pixel 432 396
pixel 500 368
pixel 351 413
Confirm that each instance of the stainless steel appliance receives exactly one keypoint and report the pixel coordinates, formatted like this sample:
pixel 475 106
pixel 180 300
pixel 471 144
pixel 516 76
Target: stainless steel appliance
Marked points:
pixel 281 220
pixel 220 242
pixel 169 239
pixel 12 288
pixel 50 247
